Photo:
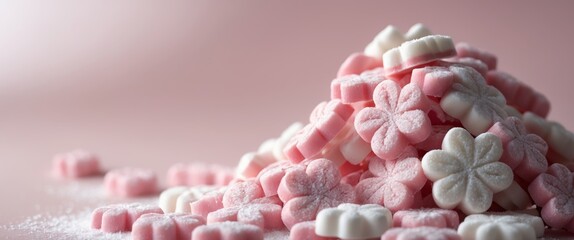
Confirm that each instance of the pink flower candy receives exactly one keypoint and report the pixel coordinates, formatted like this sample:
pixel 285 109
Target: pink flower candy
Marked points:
pixel 306 191
pixel 397 120
pixel 120 217
pixel 326 121
pixel 434 217
pixel 155 226
pixel 394 185
pixel 518 94
pixel 266 216
pixel 357 63
pixel 306 231
pixel 433 81
pixel 245 192
pixel 554 192
pixel 421 233
pixel 464 50
pixel 209 202
pixel 130 182
pixel 356 88
pixel 524 152
pixel 227 231
pixel 76 164
pixel 194 174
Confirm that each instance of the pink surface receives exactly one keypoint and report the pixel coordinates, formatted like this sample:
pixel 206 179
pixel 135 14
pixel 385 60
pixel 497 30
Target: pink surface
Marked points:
pixel 149 85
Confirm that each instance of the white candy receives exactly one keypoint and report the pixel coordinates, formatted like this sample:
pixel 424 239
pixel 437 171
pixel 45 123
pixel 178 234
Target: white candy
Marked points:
pixel 513 198
pixel 428 47
pixel 509 226
pixel 282 141
pixel 467 171
pixel 178 199
pixel 352 221
pixel 391 37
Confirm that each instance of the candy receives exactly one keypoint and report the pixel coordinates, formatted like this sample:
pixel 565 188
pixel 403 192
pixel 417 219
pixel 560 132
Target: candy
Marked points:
pixel 560 140
pixel 154 226
pixel 306 231
pixel 120 217
pixel 271 176
pixel 391 37
pixel 241 193
pixel 518 94
pixel 267 216
pixel 433 81
pixel 209 202
pixel 178 199
pixel 420 233
pixel 439 218
pixel 554 192
pixel 130 182
pixel 252 163
pixel 523 152
pixel 466 172
pixel 356 88
pixel 477 105
pixel 394 185
pixel 513 198
pixel 417 52
pixel 194 174
pixel 508 227
pixel 76 164
pixel 327 120
pixel 464 50
pixel 357 63
pixel 352 221
pixel 398 118
pixel 306 191
pixel 227 231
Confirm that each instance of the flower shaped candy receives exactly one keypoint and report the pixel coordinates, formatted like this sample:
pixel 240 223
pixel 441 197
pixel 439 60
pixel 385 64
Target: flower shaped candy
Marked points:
pixel 356 88
pixel 394 185
pixel 466 172
pixel 559 139
pixel 352 221
pixel 155 226
pixel 267 215
pixel 357 63
pixel 518 94
pixel 306 191
pixel 420 233
pixel 525 153
pixel 326 121
pixel 398 119
pixel 120 217
pixel 477 105
pixel 246 192
pixel 504 227
pixel 554 192
pixel 465 50
pixel 306 230
pixel 178 199
pixel 227 231
pixel 433 217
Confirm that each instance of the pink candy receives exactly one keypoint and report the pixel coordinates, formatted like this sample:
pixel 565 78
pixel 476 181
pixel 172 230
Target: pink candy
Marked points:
pixel 464 50
pixel 76 164
pixel 198 174
pixel 439 218
pixel 267 216
pixel 357 63
pixel 306 191
pixel 421 233
pixel 518 94
pixel 356 88
pixel 119 218
pixel 227 231
pixel 130 182
pixel 155 226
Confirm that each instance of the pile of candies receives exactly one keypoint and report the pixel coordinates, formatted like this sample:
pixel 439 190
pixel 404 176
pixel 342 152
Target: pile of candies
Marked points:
pixel 422 139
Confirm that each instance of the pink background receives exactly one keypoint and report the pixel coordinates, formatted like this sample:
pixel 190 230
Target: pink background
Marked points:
pixel 151 84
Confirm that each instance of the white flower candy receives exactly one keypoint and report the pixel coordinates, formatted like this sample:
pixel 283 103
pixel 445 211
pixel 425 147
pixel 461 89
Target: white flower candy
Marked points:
pixel 352 221
pixel 501 227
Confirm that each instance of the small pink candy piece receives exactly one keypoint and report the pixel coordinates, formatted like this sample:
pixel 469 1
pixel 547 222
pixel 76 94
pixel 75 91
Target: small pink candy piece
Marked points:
pixel 155 226
pixel 249 191
pixel 357 63
pixel 306 191
pixel 227 231
pixel 194 174
pixel 327 120
pixel 464 50
pixel 417 52
pixel 209 202
pixel 356 88
pixel 434 141
pixel 397 120
pixel 266 216
pixel 554 192
pixel 306 231
pixel 271 176
pixel 436 217
pixel 394 185
pixel 524 152
pixel 130 182
pixel 518 94
pixel 421 233
pixel 433 81
pixel 76 164
pixel 120 217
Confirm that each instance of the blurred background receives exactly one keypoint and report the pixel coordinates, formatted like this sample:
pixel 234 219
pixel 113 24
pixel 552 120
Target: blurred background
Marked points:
pixel 149 84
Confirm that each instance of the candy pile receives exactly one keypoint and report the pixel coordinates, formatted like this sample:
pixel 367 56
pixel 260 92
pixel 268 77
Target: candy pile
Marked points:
pixel 421 139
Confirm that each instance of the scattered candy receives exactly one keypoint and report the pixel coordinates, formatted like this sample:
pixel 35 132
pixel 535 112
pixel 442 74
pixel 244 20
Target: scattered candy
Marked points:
pixel 76 164
pixel 155 226
pixel 227 231
pixel 120 217
pixel 352 221
pixel 439 218
pixel 130 182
